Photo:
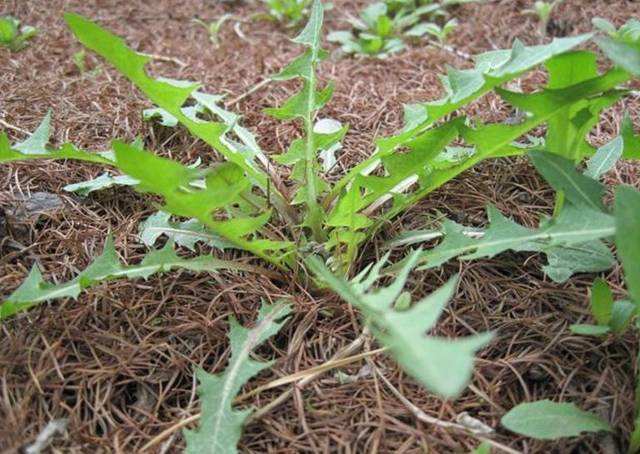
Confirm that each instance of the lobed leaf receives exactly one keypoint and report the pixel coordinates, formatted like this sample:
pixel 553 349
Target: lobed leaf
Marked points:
pixel 34 290
pixel 221 425
pixel 571 242
pixel 442 365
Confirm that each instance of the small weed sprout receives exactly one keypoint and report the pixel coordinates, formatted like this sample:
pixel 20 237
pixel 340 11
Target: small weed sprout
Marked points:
pixel 14 36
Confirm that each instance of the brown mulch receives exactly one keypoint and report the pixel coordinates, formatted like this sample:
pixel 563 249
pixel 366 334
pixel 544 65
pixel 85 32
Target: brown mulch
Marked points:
pixel 119 361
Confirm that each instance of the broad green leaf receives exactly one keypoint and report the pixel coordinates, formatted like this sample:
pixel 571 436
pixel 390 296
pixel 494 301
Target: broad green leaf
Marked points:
pixel 601 301
pixel 547 420
pixel 34 290
pixel 605 158
pixel 561 174
pixel 627 214
pixel 106 180
pixel 442 365
pixel 186 233
pixel 564 135
pixel 562 240
pixel 220 426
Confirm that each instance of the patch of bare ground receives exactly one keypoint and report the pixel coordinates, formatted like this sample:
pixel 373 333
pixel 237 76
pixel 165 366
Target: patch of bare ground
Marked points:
pixel 118 362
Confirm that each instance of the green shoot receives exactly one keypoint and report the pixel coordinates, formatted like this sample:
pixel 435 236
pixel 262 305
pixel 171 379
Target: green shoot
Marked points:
pixel 543 10
pixel 14 36
pixel 213 28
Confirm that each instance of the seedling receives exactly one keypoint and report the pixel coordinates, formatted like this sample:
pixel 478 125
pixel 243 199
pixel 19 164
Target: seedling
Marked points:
pixel 288 12
pixel 543 10
pixel 430 28
pixel 213 28
pixel 14 36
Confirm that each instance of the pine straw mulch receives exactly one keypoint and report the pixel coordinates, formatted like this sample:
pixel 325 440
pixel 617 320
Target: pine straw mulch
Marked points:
pixel 118 362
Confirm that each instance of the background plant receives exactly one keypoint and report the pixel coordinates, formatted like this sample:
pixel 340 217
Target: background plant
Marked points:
pixel 14 36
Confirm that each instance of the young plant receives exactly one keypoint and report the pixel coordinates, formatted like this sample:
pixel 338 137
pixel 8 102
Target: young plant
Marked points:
pixel 289 12
pixel 13 36
pixel 376 33
pixel 543 10
pixel 433 29
pixel 213 28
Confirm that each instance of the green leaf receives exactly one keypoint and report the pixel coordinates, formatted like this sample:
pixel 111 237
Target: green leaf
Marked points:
pixel 444 366
pixel 621 315
pixel 601 302
pixel 220 426
pixel 561 174
pixel 563 239
pixel 34 290
pixel 631 141
pixel 103 181
pixel 566 261
pixel 624 53
pixel 547 420
pixel 627 214
pixel 36 147
pixel 310 35
pixel 185 195
pixel 605 158
pixel 39 139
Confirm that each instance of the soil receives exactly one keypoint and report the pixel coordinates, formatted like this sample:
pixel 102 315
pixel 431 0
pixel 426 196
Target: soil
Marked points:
pixel 118 362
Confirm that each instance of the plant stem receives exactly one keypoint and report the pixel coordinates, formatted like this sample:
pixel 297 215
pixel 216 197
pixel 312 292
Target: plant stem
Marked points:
pixel 315 214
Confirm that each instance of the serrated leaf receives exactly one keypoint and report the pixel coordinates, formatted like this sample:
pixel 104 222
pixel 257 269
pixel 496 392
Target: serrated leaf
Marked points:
pixel 547 420
pixel 627 214
pixel 221 425
pixel 36 147
pixel 224 186
pixel 164 93
pixel 34 290
pixel 442 365
pixel 570 241
pixel 103 181
pixel 38 140
pixel 566 261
